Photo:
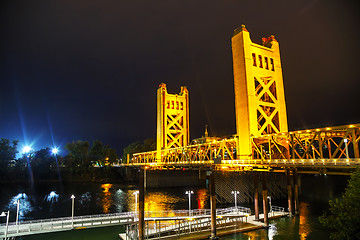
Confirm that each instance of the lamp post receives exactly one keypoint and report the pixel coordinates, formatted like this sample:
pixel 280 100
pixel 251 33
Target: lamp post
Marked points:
pixel 136 196
pixel 72 210
pixel 17 202
pixel 189 194
pixel 235 193
pixel 3 214
pixel 346 148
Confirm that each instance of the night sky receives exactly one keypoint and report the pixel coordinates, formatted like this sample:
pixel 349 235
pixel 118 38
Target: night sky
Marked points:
pixel 86 70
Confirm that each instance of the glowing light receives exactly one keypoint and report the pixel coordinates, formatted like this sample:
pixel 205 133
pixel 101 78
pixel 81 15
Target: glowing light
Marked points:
pixel 224 167
pixel 54 151
pixel 26 149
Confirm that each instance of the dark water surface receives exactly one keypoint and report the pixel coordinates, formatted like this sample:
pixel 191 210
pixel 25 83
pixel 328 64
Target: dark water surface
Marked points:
pixel 50 200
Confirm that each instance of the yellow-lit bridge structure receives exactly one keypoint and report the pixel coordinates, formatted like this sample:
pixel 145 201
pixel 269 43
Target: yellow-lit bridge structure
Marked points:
pixel 324 150
pixel 262 141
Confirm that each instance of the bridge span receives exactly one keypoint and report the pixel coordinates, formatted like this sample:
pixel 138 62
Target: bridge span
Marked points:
pixel 331 150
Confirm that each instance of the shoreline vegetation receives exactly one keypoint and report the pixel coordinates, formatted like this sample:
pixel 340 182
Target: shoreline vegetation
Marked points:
pixel 94 162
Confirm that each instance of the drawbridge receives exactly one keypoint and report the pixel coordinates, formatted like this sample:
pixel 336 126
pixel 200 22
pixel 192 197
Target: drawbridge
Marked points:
pixel 262 141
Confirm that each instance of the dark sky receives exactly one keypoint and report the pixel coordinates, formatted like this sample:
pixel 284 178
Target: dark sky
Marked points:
pixel 85 70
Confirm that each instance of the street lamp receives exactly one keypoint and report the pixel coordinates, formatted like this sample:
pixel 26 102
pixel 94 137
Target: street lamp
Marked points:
pixel 346 148
pixel 189 194
pixel 235 193
pixel 72 210
pixel 17 202
pixel 269 197
pixel 3 214
pixel 136 195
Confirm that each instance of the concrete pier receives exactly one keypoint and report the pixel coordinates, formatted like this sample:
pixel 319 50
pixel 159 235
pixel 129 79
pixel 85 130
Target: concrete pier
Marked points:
pixel 289 190
pixel 256 195
pixel 265 200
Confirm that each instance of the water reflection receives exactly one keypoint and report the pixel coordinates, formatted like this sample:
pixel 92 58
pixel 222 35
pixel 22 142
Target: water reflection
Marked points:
pixel 304 225
pixel 25 206
pixel 52 197
pixel 154 202
pixel 272 231
pixel 106 200
pixel 84 199
pixel 119 200
pixel 201 198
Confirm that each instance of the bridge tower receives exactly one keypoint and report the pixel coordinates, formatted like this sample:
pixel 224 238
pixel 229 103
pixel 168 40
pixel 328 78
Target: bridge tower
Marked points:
pixel 172 119
pixel 259 91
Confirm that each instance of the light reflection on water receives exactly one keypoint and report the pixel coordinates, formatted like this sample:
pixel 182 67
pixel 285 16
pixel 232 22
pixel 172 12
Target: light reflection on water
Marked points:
pixel 304 224
pixel 52 197
pixel 25 205
pixel 106 200
pixel 48 201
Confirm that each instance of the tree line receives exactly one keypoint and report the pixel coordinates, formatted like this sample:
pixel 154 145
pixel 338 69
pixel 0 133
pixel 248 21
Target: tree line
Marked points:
pixel 82 161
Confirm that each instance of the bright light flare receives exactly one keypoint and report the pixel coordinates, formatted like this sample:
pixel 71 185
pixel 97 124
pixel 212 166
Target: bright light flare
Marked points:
pixel 55 151
pixel 26 149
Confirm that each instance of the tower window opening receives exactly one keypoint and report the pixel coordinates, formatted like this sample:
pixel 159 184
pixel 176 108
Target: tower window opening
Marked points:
pixel 172 104
pixel 181 105
pixel 168 104
pixel 254 59
pixel 272 64
pixel 266 63
pixel 260 61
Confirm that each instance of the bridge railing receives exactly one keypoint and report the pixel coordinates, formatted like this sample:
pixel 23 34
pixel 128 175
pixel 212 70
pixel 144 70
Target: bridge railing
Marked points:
pixel 277 209
pixel 65 223
pixel 195 212
pixel 181 221
pixel 297 162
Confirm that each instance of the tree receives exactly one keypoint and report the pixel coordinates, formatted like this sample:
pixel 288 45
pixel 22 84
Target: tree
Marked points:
pixel 78 158
pixel 101 154
pixel 137 147
pixel 344 215
pixel 7 152
pixel 42 163
pixel 97 154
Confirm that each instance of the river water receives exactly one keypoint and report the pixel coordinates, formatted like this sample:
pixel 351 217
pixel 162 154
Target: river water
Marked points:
pixel 50 200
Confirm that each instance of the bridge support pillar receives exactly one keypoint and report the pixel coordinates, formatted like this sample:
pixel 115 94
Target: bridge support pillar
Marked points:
pixel 213 206
pixel 289 190
pixel 256 195
pixel 141 205
pixel 296 192
pixel 265 200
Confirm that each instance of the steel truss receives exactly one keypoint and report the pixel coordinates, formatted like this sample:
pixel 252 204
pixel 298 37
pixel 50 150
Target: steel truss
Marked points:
pixel 330 146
